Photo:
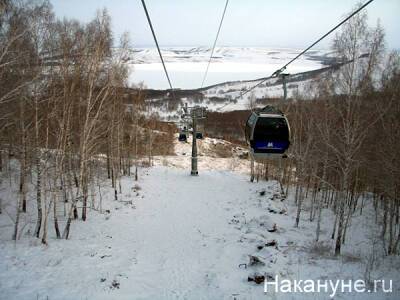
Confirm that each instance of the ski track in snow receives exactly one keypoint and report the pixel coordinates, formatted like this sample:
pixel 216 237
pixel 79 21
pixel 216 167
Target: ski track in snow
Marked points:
pixel 182 238
pixel 176 244
pixel 188 239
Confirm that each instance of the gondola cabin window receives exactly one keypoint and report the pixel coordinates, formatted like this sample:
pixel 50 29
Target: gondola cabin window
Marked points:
pixel 267 132
pixel 271 134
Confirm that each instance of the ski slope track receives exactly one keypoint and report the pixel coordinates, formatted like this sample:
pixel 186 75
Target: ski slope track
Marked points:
pixel 174 236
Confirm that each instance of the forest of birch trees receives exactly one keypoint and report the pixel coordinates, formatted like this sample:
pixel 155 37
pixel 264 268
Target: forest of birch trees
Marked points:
pixel 66 117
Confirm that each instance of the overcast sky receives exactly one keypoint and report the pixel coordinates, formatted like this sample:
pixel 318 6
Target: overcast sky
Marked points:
pixel 273 23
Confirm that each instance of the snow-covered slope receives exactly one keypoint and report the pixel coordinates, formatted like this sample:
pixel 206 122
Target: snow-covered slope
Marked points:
pixel 214 154
pixel 183 237
pixel 174 236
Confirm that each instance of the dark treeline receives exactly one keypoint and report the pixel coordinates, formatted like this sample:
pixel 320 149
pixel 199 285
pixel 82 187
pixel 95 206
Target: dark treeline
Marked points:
pixel 64 114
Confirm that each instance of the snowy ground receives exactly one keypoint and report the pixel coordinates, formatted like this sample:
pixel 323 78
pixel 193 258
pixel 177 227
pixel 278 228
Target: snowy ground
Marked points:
pixel 213 154
pixel 184 237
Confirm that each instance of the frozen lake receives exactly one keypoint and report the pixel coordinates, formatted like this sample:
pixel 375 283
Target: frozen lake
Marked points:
pixel 186 66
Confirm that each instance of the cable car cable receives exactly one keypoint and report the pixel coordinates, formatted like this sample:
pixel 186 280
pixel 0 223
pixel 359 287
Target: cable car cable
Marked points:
pixel 158 48
pixel 215 42
pixel 277 72
pixel 325 35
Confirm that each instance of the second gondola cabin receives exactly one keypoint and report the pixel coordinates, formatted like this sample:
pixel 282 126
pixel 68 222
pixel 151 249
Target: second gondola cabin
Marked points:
pixel 267 133
pixel 183 134
pixel 182 137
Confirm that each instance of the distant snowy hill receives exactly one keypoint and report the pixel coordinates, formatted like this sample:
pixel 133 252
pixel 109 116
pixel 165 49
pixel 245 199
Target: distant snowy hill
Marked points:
pixel 232 70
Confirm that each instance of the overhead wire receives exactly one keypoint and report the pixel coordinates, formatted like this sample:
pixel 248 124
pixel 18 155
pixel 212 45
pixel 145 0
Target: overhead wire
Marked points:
pixel 215 42
pixel 158 47
pixel 279 71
